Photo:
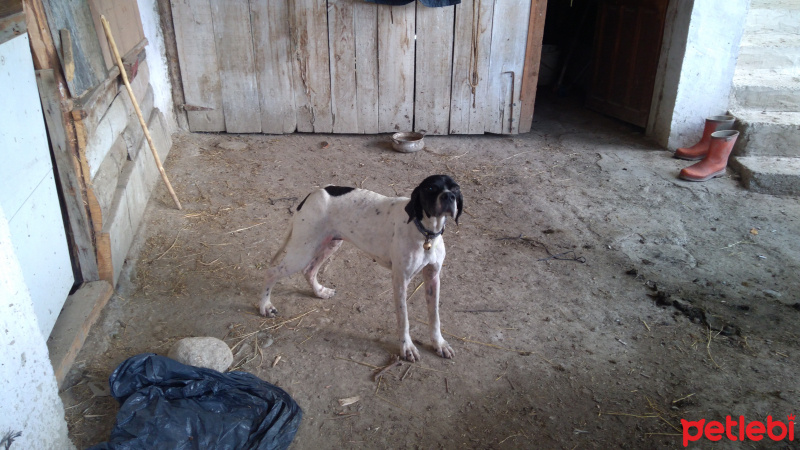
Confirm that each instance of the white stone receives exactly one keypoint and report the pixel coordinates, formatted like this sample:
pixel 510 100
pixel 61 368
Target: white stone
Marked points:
pixel 208 352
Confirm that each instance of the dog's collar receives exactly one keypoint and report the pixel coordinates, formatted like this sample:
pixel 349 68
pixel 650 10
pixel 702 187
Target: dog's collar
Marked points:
pixel 429 235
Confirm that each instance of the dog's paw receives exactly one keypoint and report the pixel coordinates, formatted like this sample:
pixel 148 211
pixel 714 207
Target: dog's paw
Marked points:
pixel 410 352
pixel 444 350
pixel 268 310
pixel 325 293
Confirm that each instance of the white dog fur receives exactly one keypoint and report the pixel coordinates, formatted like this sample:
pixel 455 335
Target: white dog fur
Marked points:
pixel 381 227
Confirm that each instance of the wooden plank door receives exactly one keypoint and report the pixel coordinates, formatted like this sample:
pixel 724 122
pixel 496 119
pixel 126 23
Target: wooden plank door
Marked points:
pixel 237 73
pixel 272 45
pixel 365 17
pixel 627 47
pixel 197 57
pixel 348 66
pixel 434 69
pixel 471 51
pixel 311 71
pixel 396 26
pixel 506 65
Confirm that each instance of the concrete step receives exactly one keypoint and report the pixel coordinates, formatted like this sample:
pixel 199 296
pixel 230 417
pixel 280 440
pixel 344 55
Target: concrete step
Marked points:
pixel 766 90
pixel 775 134
pixel 780 52
pixel 769 174
pixel 781 17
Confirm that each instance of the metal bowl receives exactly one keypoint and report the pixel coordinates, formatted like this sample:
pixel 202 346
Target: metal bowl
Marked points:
pixel 408 142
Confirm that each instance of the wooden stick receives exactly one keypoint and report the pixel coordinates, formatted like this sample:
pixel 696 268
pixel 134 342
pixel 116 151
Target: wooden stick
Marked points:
pixel 122 72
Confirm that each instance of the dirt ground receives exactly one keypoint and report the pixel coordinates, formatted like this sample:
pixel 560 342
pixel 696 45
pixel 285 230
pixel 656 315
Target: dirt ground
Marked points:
pixel 666 299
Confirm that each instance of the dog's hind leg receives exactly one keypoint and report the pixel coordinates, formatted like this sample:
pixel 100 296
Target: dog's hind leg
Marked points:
pixel 326 250
pixel 298 256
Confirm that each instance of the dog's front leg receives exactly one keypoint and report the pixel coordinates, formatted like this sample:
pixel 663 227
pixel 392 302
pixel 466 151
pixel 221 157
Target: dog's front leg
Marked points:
pixel 430 274
pixel 400 282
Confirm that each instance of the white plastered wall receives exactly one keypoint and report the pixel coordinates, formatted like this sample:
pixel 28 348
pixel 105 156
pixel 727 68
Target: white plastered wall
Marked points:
pixel 157 61
pixel 695 74
pixel 28 390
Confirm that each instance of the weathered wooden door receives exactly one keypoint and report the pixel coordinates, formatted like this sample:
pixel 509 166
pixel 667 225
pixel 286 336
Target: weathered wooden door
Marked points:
pixel 348 66
pixel 626 52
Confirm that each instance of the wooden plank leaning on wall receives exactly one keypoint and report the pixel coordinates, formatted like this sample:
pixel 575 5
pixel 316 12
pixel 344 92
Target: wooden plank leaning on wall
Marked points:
pixel 82 208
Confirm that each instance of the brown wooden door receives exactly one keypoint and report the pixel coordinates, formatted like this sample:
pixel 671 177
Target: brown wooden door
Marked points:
pixel 626 51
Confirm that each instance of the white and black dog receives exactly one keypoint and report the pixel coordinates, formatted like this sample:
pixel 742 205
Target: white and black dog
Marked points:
pixel 401 234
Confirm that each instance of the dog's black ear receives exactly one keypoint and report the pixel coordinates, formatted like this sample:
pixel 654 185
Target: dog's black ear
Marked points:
pixel 414 206
pixel 459 204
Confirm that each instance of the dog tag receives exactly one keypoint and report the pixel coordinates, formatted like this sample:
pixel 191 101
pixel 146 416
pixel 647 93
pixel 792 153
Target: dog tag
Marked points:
pixel 427 245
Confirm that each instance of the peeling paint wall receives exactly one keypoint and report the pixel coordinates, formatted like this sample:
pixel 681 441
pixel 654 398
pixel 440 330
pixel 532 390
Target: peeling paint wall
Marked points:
pixel 698 58
pixel 157 60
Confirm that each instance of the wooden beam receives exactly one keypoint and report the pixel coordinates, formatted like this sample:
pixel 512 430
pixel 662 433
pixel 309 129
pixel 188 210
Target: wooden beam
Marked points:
pixel 533 56
pixel 91 106
pixel 42 46
pixel 71 165
pixel 80 312
pixel 79 234
pixel 67 57
pixel 12 25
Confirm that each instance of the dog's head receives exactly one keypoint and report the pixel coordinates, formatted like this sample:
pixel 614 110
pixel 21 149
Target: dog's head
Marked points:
pixel 436 196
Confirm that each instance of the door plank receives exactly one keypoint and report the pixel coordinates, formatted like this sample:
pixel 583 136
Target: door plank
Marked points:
pixel 533 56
pixel 342 38
pixel 396 67
pixel 273 47
pixel 240 99
pixel 87 59
pixel 506 66
pixel 366 33
pixel 197 56
pixel 311 70
pixel 434 64
pixel 628 37
pixel 471 66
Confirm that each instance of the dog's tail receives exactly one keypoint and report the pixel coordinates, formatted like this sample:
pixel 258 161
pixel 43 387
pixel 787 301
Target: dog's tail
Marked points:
pixel 283 246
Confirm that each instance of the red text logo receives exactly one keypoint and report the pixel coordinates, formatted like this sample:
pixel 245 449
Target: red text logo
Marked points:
pixel 738 430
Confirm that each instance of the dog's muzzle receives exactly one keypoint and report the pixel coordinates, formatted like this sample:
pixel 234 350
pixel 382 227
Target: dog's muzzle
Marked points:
pixel 447 203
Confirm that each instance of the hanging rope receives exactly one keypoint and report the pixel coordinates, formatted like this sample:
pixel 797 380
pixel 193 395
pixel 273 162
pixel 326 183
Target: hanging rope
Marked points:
pixel 474 78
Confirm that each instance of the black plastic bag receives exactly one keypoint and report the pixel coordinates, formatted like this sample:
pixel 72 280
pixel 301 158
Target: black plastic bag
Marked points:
pixel 169 405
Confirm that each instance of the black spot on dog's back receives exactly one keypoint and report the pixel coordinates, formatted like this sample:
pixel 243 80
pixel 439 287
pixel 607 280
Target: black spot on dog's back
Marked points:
pixel 301 203
pixel 335 191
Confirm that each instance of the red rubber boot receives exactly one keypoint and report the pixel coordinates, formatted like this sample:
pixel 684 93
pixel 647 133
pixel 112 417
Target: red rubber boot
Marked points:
pixel 713 165
pixel 700 150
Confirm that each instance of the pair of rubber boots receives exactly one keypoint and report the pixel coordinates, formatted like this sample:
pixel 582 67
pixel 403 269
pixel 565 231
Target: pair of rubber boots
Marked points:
pixel 713 150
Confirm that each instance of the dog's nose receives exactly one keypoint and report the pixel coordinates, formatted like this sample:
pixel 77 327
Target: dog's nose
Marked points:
pixel 449 197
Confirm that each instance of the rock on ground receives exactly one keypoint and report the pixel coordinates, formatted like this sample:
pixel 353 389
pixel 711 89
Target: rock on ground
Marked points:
pixel 208 352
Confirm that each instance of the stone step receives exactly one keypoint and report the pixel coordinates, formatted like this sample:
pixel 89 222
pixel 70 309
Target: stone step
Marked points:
pixel 774 134
pixel 773 175
pixel 766 90
pixel 778 18
pixel 780 52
